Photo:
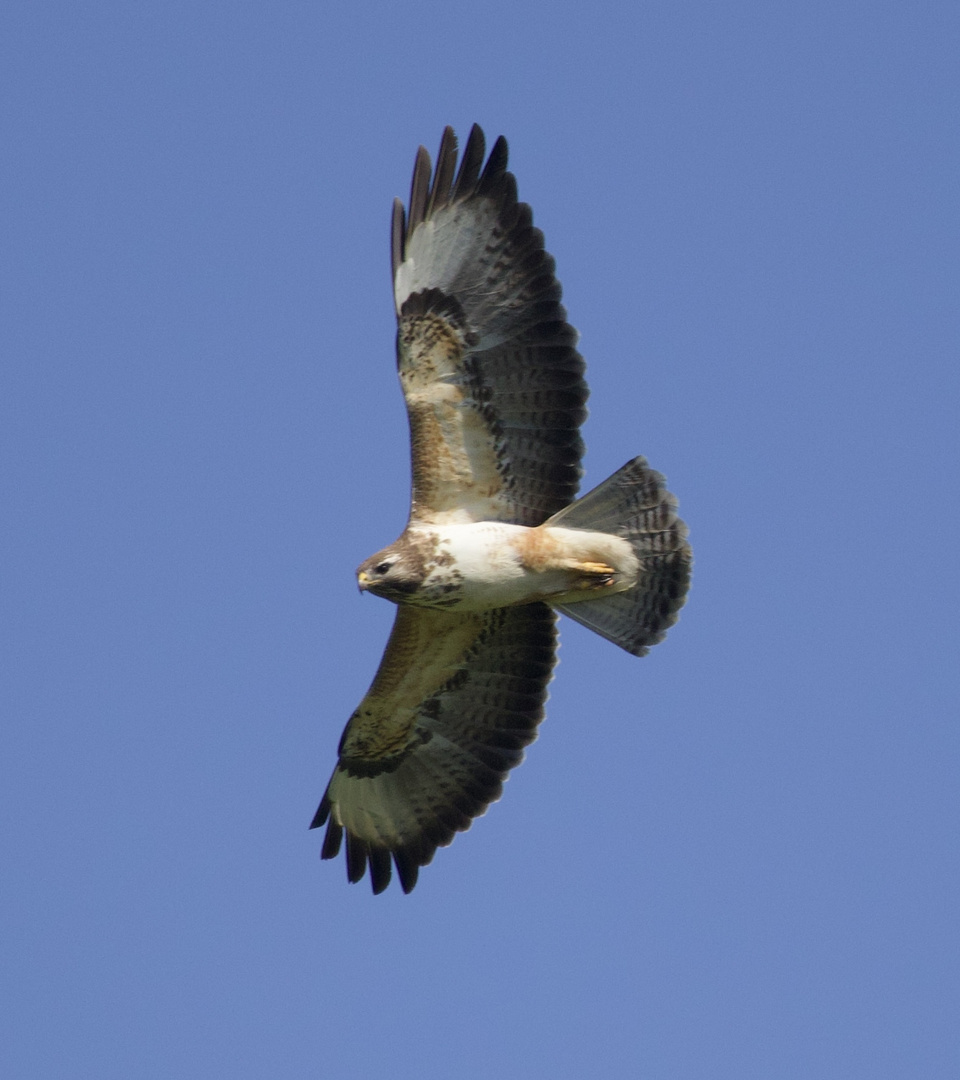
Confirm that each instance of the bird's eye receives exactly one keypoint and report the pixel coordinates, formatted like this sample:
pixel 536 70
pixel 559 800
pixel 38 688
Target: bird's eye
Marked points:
pixel 382 568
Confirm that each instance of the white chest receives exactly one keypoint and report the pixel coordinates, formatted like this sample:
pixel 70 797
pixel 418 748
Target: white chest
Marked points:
pixel 481 565
pixel 476 566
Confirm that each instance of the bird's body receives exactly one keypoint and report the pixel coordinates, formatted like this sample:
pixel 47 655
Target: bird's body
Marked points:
pixel 482 565
pixel 496 542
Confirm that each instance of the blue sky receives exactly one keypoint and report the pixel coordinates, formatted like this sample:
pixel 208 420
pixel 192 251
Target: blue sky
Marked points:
pixel 736 857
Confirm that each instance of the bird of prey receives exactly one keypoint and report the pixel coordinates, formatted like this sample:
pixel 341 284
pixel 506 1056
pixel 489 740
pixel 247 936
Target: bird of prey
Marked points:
pixel 496 542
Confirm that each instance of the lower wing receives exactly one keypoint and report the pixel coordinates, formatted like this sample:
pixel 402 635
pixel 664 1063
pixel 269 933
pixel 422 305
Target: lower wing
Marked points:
pixel 456 699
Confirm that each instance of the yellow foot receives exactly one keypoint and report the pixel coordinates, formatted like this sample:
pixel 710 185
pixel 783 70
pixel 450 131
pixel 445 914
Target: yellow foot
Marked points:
pixel 595 568
pixel 596 575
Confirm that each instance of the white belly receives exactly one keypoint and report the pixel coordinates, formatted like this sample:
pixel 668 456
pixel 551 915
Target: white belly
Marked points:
pixel 483 565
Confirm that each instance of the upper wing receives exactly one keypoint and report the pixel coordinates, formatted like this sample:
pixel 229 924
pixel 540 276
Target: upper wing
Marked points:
pixel 455 700
pixel 492 379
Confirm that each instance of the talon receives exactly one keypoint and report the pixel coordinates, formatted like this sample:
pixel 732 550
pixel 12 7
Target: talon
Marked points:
pixel 604 582
pixel 598 568
pixel 596 575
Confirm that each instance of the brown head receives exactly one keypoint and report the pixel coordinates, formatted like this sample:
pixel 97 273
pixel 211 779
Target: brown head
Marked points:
pixel 395 573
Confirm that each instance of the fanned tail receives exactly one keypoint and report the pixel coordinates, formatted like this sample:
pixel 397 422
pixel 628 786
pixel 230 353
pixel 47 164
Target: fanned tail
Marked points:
pixel 635 504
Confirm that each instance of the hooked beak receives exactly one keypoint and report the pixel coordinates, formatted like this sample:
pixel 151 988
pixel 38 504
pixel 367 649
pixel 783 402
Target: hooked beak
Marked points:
pixel 363 581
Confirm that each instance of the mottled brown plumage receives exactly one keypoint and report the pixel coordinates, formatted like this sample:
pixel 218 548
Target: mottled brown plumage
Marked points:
pixel 495 397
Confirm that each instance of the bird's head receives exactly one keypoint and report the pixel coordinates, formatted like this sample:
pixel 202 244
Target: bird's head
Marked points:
pixel 394 573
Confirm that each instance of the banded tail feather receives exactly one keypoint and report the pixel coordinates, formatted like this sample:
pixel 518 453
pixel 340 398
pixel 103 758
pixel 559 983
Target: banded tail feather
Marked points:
pixel 634 503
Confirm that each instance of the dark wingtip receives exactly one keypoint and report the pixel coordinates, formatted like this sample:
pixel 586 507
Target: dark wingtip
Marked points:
pixel 323 812
pixel 332 841
pixel 379 858
pixel 495 168
pixel 441 188
pixel 419 189
pixel 398 226
pixel 407 869
pixel 356 858
pixel 432 189
pixel 470 164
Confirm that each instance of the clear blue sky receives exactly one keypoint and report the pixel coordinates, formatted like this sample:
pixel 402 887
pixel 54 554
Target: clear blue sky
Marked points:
pixel 736 858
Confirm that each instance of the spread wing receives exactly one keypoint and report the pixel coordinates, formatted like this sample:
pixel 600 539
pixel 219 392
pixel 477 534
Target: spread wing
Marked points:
pixel 488 363
pixel 453 704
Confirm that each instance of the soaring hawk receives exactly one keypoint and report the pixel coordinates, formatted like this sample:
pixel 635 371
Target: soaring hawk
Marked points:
pixel 497 541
